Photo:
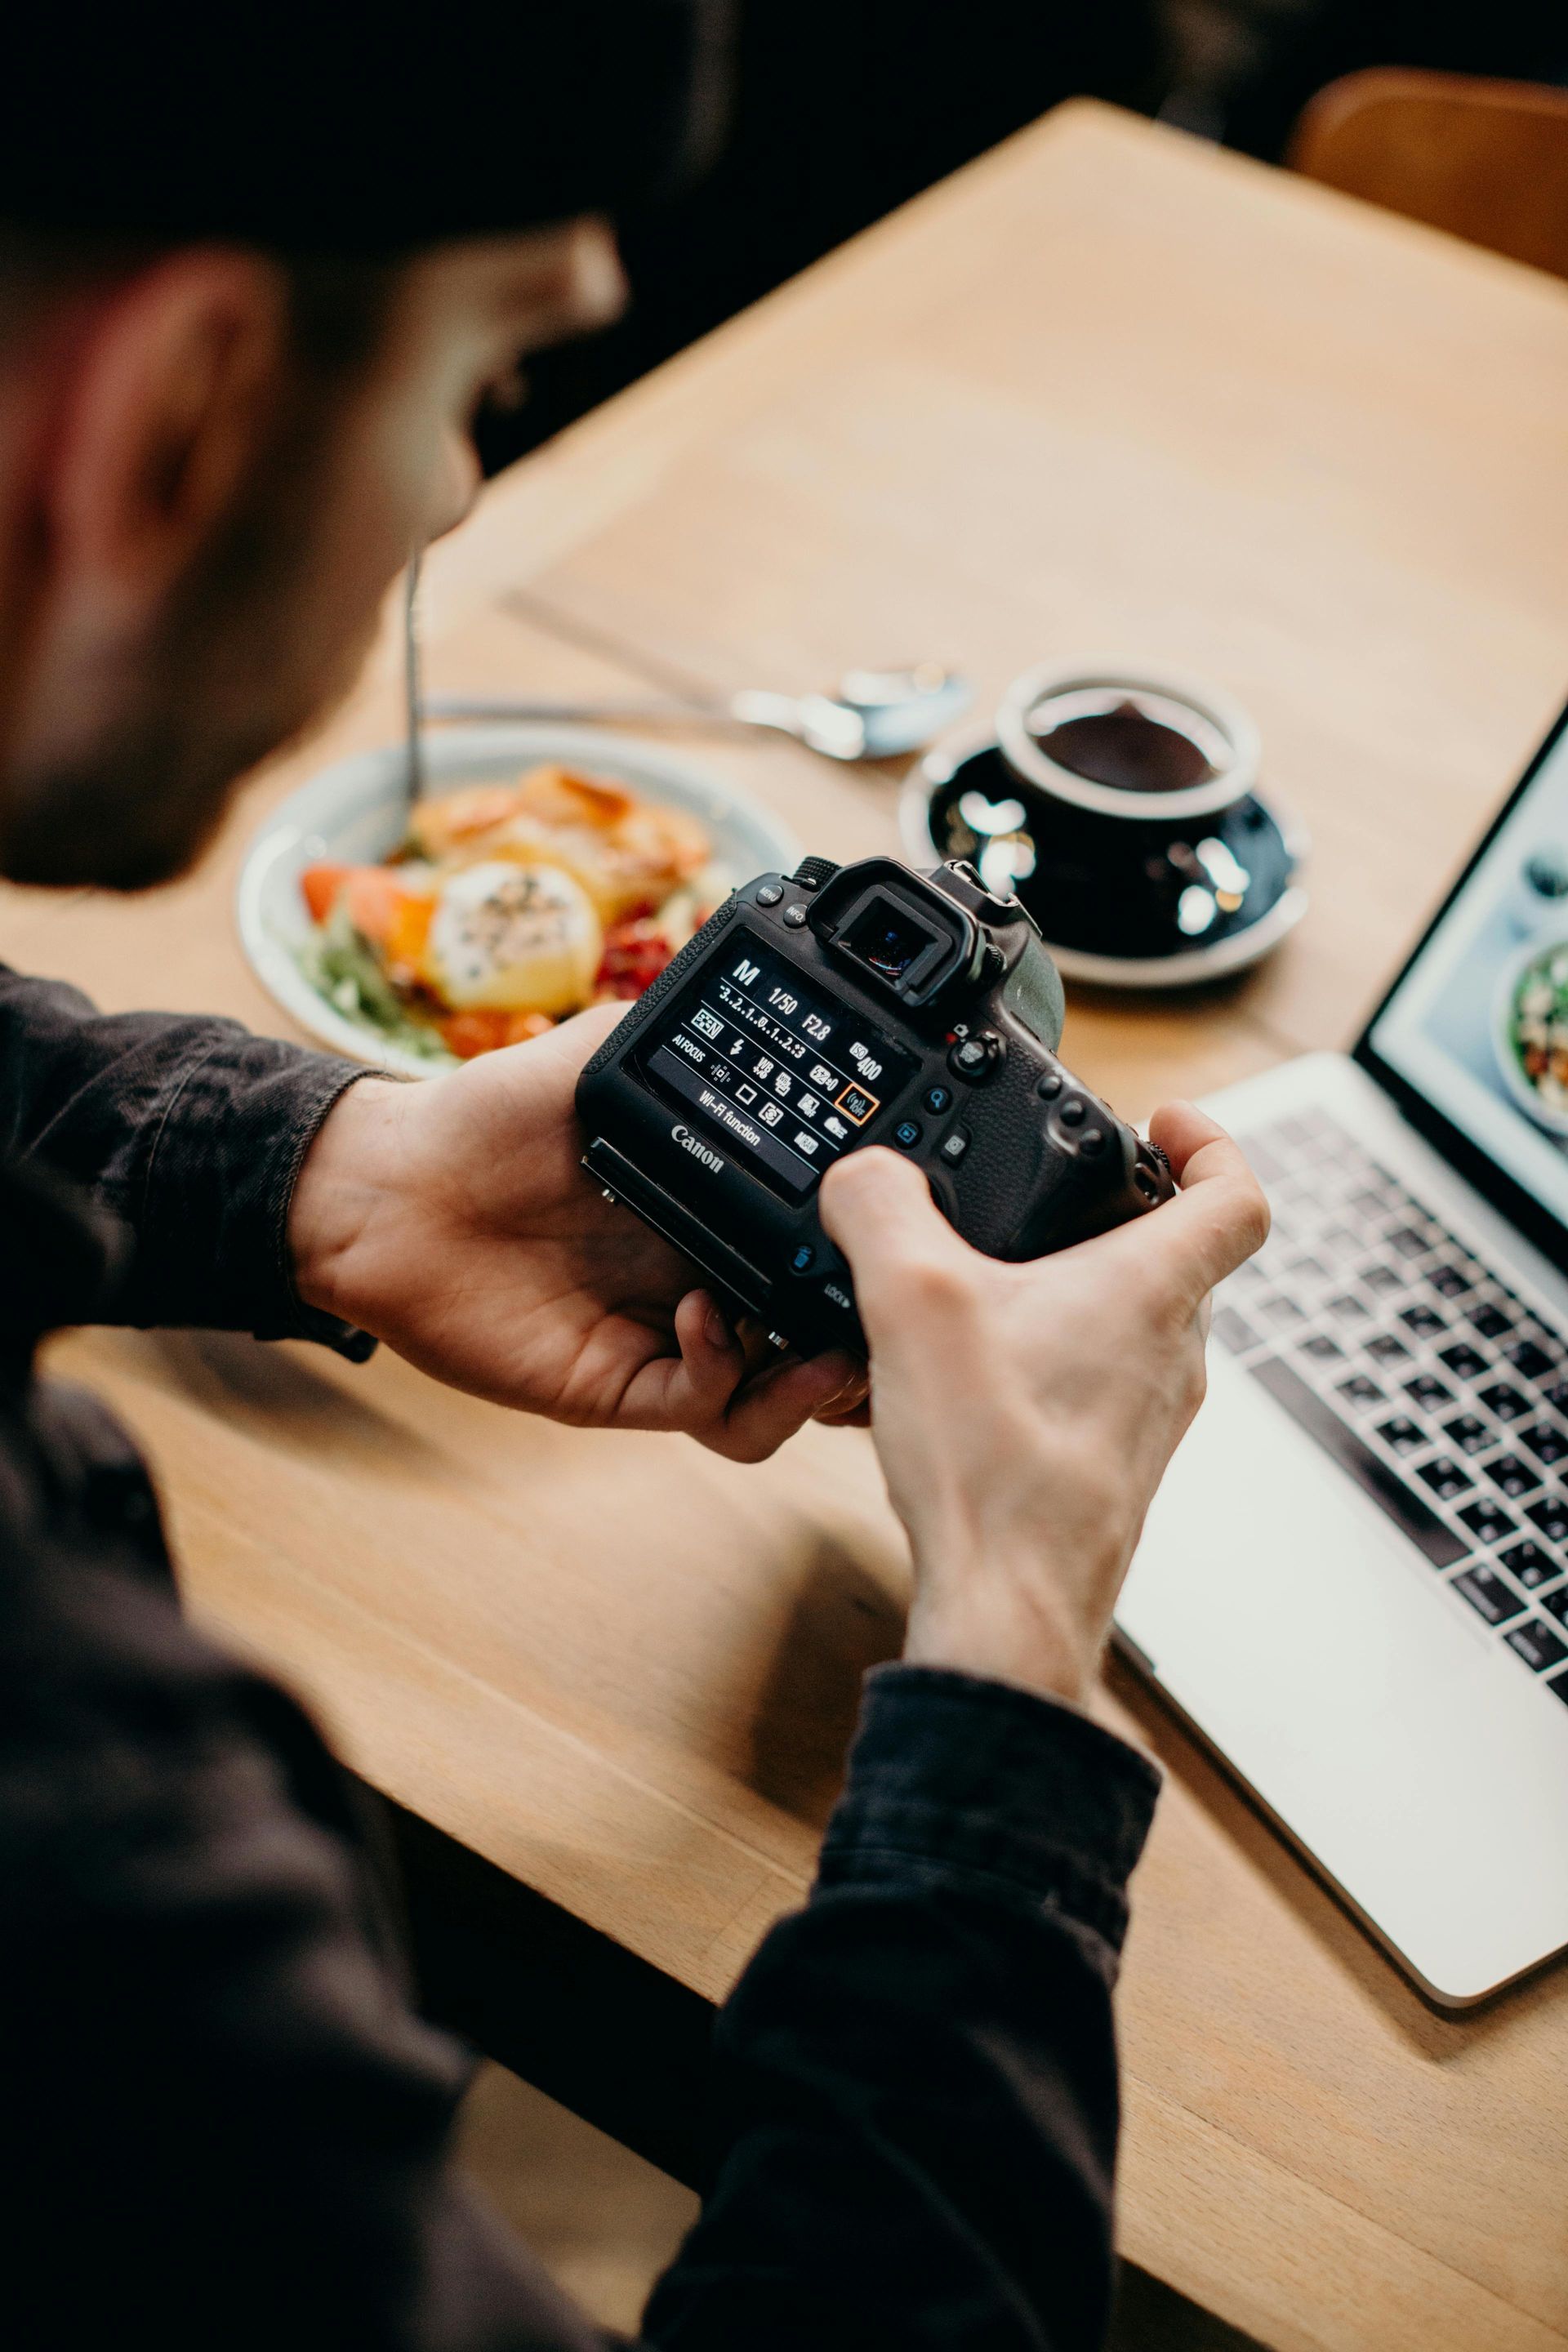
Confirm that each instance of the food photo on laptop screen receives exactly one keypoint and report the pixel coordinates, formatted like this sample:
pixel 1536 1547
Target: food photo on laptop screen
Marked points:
pixel 1478 1022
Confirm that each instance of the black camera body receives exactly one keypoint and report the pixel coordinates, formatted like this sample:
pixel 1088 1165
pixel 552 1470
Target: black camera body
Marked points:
pixel 842 1005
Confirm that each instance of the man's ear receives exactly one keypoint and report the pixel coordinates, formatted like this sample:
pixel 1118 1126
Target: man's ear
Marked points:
pixel 168 396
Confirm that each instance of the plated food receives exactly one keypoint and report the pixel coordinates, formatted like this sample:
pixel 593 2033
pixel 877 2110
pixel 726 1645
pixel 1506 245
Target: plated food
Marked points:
pixel 354 815
pixel 508 905
pixel 1533 1044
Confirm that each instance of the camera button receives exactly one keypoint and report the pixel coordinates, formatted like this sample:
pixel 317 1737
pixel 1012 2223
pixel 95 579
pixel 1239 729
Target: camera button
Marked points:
pixel 955 1146
pixel 907 1133
pixel 975 1058
pixel 1074 1111
pixel 1092 1140
pixel 794 917
pixel 936 1099
pixel 1050 1085
pixel 770 894
pixel 802 1259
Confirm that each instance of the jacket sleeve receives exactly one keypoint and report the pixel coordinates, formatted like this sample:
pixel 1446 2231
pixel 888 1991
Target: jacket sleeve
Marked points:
pixel 187 1129
pixel 224 2113
pixel 918 2071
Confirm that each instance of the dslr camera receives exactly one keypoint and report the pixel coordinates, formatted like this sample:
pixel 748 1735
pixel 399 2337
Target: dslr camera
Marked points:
pixel 841 1005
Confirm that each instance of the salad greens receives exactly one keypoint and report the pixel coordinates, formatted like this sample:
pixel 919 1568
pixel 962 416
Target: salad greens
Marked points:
pixel 1537 1029
pixel 342 968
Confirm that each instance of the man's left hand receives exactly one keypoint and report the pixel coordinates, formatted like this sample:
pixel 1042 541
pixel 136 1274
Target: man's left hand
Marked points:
pixel 454 1219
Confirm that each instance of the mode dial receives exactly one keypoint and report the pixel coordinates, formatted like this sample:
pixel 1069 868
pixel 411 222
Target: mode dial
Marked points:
pixel 976 1057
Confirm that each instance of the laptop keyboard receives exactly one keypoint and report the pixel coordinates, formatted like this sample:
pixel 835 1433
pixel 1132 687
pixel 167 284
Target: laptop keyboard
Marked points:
pixel 1424 1377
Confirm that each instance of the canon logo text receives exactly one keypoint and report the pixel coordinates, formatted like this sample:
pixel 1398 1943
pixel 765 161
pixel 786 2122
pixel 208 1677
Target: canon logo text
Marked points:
pixel 699 1151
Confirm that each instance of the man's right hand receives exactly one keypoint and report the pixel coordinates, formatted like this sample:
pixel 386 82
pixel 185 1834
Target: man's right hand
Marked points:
pixel 1025 1414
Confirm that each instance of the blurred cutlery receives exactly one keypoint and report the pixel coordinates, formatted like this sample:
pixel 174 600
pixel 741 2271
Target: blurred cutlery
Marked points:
pixel 875 715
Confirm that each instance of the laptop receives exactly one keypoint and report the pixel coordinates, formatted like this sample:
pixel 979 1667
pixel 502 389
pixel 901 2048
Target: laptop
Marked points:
pixel 1354 1582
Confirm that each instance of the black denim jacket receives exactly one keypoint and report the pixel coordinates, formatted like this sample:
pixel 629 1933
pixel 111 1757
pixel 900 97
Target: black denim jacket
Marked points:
pixel 225 2127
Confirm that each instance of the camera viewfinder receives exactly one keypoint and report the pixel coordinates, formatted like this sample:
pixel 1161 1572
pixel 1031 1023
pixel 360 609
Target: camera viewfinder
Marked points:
pixel 893 941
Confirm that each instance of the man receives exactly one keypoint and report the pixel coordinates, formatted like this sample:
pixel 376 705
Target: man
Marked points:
pixel 236 373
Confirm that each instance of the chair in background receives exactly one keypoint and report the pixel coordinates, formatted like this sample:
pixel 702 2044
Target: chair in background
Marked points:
pixel 1484 159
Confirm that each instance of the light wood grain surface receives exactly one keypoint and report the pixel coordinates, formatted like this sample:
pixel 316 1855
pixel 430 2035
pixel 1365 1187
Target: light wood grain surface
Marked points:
pixel 1107 391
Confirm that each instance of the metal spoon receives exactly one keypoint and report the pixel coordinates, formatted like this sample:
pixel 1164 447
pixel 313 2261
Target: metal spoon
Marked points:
pixel 875 715
pixel 413 706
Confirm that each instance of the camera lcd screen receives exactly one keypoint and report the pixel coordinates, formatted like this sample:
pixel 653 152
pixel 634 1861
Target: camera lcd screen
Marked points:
pixel 788 1078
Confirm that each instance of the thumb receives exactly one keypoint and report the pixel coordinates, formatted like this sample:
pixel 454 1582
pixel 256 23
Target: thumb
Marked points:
pixel 879 1210
pixel 578 1039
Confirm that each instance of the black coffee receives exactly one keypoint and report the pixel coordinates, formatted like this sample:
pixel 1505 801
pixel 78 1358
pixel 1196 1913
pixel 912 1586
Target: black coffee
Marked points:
pixel 1126 748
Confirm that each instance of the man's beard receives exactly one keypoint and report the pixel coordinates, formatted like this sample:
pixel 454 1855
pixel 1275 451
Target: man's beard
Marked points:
pixel 142 814
pixel 244 661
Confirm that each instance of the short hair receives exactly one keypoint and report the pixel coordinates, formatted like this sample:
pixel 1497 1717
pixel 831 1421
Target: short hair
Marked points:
pixel 338 306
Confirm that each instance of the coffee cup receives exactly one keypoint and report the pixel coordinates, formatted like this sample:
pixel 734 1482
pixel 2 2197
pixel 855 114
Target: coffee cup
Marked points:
pixel 1122 805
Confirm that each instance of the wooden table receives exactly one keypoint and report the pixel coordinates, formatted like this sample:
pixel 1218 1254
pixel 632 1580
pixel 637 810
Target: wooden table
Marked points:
pixel 1106 391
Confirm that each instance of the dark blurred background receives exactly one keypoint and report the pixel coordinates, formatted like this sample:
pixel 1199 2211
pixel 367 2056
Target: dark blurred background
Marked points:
pixel 1243 69
pixel 846 108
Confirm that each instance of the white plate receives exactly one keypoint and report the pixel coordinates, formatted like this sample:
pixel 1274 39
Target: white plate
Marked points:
pixel 355 811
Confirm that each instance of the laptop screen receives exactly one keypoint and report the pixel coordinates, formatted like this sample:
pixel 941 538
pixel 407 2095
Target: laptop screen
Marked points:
pixel 1473 1036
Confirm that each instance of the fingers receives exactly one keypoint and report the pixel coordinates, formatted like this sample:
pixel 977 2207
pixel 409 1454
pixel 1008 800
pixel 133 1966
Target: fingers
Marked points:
pixel 773 1397
pixel 691 1391
pixel 713 1360
pixel 878 1211
pixel 1219 1217
pixel 1187 1134
pixel 578 1040
pixel 776 1404
pixel 747 1414
pixel 708 1392
pixel 912 1271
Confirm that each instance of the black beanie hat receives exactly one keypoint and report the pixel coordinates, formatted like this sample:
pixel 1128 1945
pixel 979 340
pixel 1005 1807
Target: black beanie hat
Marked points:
pixel 325 127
